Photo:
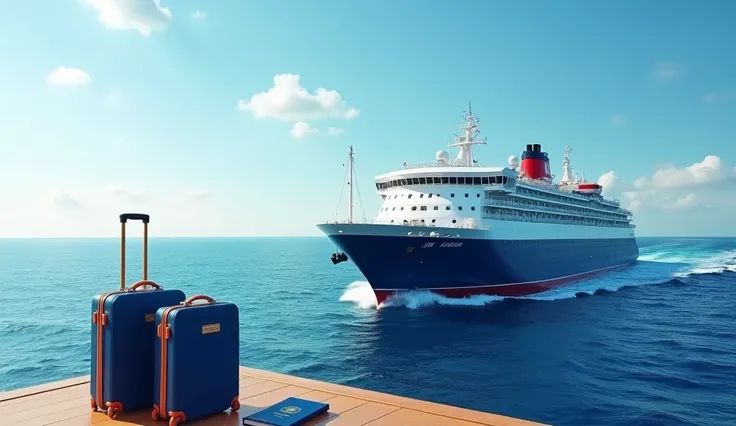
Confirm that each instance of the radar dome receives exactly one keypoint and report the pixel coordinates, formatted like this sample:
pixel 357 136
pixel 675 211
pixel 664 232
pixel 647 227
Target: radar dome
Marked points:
pixel 442 156
pixel 513 162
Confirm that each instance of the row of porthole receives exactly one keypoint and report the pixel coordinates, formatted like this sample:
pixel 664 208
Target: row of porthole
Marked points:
pixel 421 195
pixel 424 208
pixel 433 221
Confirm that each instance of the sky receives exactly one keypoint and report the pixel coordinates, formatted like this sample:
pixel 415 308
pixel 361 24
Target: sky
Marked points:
pixel 233 118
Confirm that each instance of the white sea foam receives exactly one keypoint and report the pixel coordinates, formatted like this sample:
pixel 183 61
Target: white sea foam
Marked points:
pixel 657 264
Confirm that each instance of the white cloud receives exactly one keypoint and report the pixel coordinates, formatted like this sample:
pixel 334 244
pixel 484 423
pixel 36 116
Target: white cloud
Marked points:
pixel 288 100
pixel 144 16
pixel 666 70
pixel 127 193
pixel 64 201
pixel 301 129
pixel 334 131
pixel 68 76
pixel 709 170
pixel 674 188
pixel 199 14
pixel 713 97
pixel 619 120
pixel 610 182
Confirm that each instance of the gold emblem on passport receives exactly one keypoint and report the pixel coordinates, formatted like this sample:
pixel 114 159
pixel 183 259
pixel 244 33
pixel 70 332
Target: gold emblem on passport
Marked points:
pixel 150 317
pixel 211 328
pixel 290 410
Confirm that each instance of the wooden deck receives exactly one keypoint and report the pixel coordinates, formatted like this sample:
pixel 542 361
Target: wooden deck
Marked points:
pixel 67 403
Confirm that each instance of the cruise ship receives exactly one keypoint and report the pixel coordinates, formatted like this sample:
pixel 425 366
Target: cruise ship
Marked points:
pixel 458 228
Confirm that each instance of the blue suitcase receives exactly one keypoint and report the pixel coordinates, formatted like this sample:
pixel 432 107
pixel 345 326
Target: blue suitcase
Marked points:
pixel 123 336
pixel 197 360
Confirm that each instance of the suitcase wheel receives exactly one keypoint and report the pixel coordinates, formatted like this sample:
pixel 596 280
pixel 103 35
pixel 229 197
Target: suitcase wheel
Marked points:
pixel 112 413
pixel 93 404
pixel 175 419
pixel 113 409
pixel 235 405
pixel 155 413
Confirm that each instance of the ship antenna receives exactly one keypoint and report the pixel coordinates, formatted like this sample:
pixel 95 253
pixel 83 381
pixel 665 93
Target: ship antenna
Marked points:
pixel 467 139
pixel 350 183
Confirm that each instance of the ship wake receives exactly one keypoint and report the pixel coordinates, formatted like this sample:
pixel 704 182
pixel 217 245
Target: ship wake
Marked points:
pixel 667 264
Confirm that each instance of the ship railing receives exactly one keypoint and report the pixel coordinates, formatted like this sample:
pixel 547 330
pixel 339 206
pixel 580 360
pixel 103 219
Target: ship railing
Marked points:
pixel 593 214
pixel 568 201
pixel 560 221
pixel 419 223
pixel 406 166
pixel 569 195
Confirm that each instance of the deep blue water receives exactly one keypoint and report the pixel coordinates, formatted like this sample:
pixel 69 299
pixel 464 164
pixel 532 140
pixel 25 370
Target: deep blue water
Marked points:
pixel 651 345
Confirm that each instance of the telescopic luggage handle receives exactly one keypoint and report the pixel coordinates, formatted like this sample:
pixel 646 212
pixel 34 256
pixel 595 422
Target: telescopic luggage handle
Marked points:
pixel 124 218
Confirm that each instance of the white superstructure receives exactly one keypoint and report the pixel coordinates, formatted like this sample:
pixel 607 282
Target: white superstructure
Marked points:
pixel 461 193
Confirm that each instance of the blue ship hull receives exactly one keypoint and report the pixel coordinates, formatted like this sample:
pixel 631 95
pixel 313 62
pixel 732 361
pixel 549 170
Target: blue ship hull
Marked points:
pixel 471 264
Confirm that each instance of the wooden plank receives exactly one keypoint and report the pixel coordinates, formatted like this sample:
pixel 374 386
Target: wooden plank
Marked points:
pixel 448 411
pixel 407 417
pixel 19 393
pixel 69 406
pixel 359 415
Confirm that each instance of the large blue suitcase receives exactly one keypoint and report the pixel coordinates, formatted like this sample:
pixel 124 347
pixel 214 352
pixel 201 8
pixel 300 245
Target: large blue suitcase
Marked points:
pixel 197 360
pixel 123 336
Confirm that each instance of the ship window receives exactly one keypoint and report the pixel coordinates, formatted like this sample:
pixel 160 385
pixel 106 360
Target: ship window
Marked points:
pixel 459 207
pixel 452 195
pixel 421 195
pixel 477 195
pixel 447 207
pixel 466 195
pixel 436 180
pixel 454 221
pixel 403 182
pixel 438 195
pixel 402 208
pixel 393 209
pixel 415 181
pixel 433 220
pixel 484 180
pixel 461 180
pixel 408 196
pixel 422 181
pixel 429 196
pixel 413 208
pixel 445 180
pixel 472 208
pixel 423 208
pixel 476 181
pixel 453 179
pixel 436 207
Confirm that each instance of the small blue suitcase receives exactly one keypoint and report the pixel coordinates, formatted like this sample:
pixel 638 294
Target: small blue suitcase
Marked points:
pixel 197 370
pixel 123 336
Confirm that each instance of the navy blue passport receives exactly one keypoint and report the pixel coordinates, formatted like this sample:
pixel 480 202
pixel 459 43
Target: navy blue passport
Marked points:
pixel 289 412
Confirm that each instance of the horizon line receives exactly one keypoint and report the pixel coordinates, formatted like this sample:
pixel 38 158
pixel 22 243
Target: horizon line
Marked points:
pixel 139 237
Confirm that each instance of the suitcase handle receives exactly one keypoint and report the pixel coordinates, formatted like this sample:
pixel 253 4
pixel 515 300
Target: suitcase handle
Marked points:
pixel 193 299
pixel 124 218
pixel 144 283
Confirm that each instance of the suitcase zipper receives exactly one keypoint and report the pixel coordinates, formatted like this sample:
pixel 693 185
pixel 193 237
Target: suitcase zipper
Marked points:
pixel 100 319
pixel 163 331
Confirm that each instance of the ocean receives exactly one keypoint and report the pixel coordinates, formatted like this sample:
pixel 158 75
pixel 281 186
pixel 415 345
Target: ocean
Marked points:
pixel 654 344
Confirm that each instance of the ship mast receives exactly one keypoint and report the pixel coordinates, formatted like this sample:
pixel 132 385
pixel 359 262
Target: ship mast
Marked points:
pixel 566 169
pixel 467 139
pixel 350 184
